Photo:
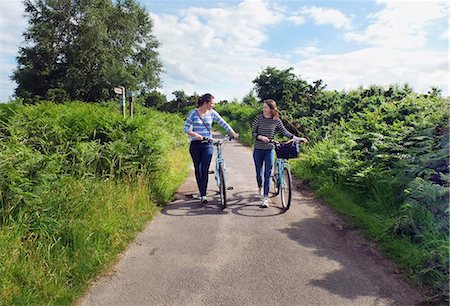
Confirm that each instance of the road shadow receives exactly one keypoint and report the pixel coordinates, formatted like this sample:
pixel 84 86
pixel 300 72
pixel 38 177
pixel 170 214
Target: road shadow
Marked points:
pixel 187 204
pixel 247 204
pixel 329 236
pixel 244 203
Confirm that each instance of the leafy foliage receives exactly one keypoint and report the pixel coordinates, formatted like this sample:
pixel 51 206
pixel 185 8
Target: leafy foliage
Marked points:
pixel 76 182
pixel 380 154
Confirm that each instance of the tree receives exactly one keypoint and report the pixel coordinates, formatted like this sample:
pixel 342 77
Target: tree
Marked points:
pixel 286 88
pixel 154 99
pixel 250 98
pixel 85 48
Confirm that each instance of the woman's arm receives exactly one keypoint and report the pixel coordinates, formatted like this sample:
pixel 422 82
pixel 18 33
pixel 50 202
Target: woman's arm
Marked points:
pixel 187 127
pixel 286 133
pixel 255 127
pixel 282 130
pixel 255 131
pixel 217 118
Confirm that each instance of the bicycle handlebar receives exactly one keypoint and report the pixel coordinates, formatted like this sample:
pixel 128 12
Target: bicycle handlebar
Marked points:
pixel 277 143
pixel 217 141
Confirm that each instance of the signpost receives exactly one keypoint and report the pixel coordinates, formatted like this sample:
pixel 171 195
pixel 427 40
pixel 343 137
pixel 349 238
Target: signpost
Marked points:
pixel 121 91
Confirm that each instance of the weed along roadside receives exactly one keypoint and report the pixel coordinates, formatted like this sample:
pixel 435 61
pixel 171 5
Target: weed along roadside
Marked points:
pixel 77 182
pixel 379 156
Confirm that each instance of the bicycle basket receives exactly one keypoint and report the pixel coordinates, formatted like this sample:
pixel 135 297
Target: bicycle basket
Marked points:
pixel 287 150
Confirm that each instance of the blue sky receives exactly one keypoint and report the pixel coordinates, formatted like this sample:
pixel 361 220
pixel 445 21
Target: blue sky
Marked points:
pixel 221 46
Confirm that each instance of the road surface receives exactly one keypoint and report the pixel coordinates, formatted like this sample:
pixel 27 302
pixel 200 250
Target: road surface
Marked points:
pixel 192 254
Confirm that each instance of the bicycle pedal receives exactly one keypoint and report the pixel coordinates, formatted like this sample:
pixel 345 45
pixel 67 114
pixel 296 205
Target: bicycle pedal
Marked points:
pixel 229 188
pixel 211 172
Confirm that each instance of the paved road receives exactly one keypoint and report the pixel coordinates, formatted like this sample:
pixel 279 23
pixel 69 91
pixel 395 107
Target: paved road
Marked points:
pixel 245 255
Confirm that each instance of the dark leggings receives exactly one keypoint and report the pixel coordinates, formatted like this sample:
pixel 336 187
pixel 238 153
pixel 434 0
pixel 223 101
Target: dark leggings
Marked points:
pixel 201 154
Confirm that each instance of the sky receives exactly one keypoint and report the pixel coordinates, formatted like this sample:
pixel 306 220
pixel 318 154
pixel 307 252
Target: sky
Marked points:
pixel 220 47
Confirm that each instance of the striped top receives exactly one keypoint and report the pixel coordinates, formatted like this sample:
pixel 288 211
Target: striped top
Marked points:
pixel 193 120
pixel 267 127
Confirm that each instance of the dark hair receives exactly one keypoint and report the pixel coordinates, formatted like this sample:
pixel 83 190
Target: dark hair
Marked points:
pixel 204 99
pixel 273 107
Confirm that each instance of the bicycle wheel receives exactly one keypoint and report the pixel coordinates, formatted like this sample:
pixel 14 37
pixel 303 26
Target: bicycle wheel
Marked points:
pixel 286 189
pixel 276 181
pixel 222 187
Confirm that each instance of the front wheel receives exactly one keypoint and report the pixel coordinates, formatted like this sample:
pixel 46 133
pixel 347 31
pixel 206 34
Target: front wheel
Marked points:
pixel 276 183
pixel 286 188
pixel 222 187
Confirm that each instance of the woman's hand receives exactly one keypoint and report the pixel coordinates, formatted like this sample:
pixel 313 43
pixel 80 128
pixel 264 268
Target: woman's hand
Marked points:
pixel 263 138
pixel 299 139
pixel 195 135
pixel 234 134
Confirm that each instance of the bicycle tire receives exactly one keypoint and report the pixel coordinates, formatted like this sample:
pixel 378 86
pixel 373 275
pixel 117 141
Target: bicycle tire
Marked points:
pixel 286 189
pixel 222 187
pixel 276 183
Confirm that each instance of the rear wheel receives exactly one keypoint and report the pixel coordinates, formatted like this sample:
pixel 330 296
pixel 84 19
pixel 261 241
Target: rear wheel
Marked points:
pixel 276 183
pixel 286 188
pixel 222 187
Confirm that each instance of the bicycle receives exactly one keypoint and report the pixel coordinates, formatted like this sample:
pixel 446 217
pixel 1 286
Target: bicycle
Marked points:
pixel 282 178
pixel 220 169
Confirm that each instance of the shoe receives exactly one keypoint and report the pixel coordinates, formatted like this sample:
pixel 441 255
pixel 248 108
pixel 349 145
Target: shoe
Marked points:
pixel 265 203
pixel 203 200
pixel 260 195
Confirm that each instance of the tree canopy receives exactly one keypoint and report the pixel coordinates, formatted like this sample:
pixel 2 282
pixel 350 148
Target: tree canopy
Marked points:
pixel 81 49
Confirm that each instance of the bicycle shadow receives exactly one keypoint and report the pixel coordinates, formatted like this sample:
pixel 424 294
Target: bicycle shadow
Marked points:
pixel 247 204
pixel 186 204
pixel 244 203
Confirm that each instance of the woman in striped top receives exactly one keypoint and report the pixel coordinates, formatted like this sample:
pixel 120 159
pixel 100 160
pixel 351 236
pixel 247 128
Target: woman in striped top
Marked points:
pixel 264 128
pixel 198 127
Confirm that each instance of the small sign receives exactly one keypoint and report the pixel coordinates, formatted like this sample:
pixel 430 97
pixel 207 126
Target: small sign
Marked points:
pixel 130 93
pixel 118 90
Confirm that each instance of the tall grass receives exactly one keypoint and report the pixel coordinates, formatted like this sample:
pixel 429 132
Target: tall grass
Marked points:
pixel 76 183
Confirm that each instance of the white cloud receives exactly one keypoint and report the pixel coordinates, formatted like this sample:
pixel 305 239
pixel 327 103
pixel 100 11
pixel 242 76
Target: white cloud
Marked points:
pixel 420 69
pixel 308 51
pixel 12 24
pixel 6 85
pixel 220 50
pixel 296 19
pixel 216 49
pixel 223 54
pixel 323 16
pixel 401 24
pixel 445 35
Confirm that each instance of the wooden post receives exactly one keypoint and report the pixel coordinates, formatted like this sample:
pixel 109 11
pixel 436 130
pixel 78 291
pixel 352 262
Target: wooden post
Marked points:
pixel 130 96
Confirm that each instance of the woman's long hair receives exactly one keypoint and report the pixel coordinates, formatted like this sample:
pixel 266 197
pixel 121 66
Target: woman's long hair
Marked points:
pixel 273 107
pixel 204 99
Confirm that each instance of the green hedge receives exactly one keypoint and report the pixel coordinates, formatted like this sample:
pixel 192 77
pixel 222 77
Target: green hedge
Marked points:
pixel 77 181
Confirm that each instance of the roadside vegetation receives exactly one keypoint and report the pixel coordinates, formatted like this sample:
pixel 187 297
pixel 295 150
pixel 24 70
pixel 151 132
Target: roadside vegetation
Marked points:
pixel 77 182
pixel 377 155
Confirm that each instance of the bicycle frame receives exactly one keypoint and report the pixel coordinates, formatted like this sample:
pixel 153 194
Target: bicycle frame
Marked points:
pixel 280 164
pixel 220 169
pixel 283 185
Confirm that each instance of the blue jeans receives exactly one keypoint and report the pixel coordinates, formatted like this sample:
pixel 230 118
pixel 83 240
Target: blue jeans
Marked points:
pixel 265 157
pixel 201 154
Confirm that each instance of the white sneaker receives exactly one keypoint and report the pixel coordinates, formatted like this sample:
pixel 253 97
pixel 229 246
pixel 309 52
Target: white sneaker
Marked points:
pixel 203 200
pixel 265 203
pixel 260 195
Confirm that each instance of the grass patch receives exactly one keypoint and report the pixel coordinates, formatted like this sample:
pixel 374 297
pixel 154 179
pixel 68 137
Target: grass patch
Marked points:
pixel 55 264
